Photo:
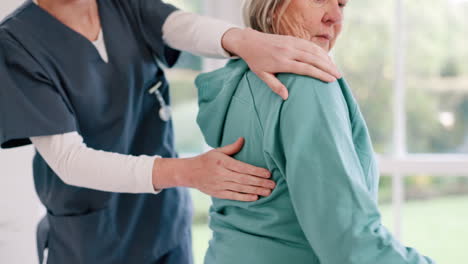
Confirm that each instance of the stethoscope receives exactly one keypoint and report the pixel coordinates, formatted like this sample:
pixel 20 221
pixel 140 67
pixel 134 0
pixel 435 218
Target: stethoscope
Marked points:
pixel 165 112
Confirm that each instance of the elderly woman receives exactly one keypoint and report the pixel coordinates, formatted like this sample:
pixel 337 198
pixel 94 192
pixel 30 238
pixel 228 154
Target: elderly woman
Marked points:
pixel 317 146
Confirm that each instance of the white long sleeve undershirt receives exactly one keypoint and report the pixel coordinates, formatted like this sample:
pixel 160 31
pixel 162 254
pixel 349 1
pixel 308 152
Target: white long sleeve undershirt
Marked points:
pixel 78 165
pixel 196 34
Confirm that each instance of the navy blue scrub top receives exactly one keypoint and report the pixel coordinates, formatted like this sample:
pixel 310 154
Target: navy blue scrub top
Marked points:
pixel 53 81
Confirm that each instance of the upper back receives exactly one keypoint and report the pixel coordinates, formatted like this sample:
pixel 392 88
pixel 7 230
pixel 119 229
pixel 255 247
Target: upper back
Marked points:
pixel 254 112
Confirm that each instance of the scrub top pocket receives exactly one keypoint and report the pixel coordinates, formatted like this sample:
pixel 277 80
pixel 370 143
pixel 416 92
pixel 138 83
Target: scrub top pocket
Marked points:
pixel 89 233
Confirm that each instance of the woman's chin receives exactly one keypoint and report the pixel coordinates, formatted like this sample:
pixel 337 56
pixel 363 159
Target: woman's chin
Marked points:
pixel 324 44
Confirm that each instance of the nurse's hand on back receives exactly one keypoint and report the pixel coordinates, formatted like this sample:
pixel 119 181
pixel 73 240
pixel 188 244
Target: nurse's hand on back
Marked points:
pixel 214 173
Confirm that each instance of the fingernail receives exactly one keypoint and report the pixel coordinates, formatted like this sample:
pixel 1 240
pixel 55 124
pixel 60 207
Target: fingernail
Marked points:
pixel 272 185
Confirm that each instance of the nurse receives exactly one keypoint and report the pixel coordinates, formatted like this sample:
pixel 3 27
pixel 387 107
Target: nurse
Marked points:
pixel 79 79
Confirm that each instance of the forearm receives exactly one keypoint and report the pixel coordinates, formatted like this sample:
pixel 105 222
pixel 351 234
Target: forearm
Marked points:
pixel 197 34
pixel 78 165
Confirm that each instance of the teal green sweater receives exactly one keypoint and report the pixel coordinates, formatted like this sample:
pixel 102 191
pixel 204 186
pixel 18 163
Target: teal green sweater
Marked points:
pixel 317 146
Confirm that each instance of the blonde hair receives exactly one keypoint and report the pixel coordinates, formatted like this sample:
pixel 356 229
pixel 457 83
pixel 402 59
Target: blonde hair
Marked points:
pixel 272 16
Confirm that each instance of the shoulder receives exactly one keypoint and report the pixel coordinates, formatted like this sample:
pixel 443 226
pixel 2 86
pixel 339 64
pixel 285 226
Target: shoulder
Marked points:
pixel 313 99
pixel 15 14
pixel 312 88
pixel 307 96
pixel 16 60
pixel 304 88
pixel 12 51
pixel 13 29
pixel 9 47
pixel 232 69
pixel 298 86
pixel 156 8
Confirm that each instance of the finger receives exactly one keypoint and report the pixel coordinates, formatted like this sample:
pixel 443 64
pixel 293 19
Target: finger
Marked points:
pixel 245 179
pixel 233 148
pixel 312 48
pixel 247 189
pixel 235 196
pixel 337 72
pixel 309 47
pixel 274 84
pixel 234 165
pixel 325 65
pixel 308 70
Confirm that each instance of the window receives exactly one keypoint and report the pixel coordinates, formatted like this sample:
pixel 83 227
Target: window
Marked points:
pixel 434 216
pixel 189 139
pixel 437 76
pixel 404 61
pixel 364 53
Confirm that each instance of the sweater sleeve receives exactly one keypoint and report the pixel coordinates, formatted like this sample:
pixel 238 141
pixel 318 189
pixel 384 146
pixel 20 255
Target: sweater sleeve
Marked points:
pixel 327 184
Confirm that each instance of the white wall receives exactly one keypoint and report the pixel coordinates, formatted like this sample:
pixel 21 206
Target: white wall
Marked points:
pixel 20 209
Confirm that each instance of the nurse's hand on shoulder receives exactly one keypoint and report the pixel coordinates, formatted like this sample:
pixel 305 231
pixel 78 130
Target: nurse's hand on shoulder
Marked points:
pixel 267 54
pixel 215 173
